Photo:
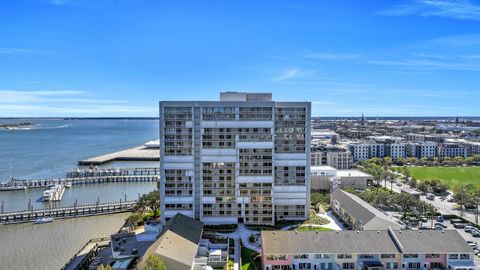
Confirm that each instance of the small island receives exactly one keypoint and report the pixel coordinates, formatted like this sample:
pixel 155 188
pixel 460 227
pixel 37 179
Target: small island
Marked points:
pixel 16 126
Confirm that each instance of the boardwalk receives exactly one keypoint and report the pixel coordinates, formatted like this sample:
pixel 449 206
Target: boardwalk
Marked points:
pixel 66 212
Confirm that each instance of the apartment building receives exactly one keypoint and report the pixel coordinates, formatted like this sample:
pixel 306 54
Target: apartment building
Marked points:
pixel 453 148
pixel 473 148
pixel 341 160
pixel 371 149
pixel 421 149
pixel 244 159
pixel 366 250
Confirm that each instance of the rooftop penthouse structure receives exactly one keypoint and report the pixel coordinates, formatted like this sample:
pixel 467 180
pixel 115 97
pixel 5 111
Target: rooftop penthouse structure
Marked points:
pixel 366 250
pixel 243 159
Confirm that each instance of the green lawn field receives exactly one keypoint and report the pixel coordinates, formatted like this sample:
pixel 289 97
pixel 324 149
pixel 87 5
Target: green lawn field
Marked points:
pixel 453 176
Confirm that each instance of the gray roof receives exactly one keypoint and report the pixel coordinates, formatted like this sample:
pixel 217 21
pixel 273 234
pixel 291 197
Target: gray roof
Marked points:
pixel 369 242
pixel 365 242
pixel 360 209
pixel 178 242
pixel 432 241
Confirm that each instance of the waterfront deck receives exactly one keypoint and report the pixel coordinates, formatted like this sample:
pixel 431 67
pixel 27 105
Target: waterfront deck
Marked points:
pixel 139 153
pixel 66 212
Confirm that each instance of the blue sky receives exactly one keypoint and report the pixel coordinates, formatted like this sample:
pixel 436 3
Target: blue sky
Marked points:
pixel 120 57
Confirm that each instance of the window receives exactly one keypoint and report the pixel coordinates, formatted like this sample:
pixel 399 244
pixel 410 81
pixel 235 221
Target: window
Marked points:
pixel 432 256
pixel 305 266
pixel 276 257
pixel 365 256
pixel 391 265
pixel 388 256
pixel 344 256
pixel 464 256
pixel 410 256
pixel 414 265
pixel 300 256
pixel 348 265
pixel 438 265
pixel 453 256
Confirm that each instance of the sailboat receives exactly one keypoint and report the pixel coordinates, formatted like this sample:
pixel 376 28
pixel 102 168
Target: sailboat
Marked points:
pixel 10 186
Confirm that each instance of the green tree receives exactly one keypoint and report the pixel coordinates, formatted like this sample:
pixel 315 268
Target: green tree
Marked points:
pixel 406 202
pixel 149 201
pixel 153 262
pixel 136 219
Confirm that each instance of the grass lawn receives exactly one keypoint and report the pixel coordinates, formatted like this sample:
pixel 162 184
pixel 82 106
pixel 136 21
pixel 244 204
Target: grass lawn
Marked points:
pixel 452 176
pixel 308 228
pixel 247 264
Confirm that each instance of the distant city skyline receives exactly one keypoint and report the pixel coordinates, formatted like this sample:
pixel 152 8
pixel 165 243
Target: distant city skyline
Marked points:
pixel 87 58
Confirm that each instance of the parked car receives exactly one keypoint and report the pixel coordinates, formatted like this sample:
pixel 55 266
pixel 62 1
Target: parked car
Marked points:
pixel 440 219
pixel 460 225
pixel 476 233
pixel 430 196
pixel 468 228
pixel 453 221
pixel 424 219
pixel 441 225
pixel 398 184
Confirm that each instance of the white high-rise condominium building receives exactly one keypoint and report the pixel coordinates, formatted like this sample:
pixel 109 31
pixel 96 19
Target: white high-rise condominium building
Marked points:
pixel 244 159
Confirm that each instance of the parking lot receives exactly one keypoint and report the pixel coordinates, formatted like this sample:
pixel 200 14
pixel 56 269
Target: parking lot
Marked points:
pixel 467 236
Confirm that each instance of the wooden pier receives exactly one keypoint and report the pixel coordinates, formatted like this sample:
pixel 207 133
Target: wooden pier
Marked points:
pixel 66 212
pixel 43 183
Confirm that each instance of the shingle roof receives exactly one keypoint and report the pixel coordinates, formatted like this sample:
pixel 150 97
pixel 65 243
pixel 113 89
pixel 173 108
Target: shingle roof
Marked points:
pixel 366 242
pixel 432 241
pixel 290 242
pixel 354 206
pixel 178 242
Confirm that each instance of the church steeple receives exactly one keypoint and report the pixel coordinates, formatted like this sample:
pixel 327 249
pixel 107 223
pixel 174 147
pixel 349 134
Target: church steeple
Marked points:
pixel 362 122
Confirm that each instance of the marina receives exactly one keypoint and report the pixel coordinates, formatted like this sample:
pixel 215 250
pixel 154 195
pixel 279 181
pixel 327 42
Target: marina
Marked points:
pixel 54 193
pixel 81 194
pixel 86 176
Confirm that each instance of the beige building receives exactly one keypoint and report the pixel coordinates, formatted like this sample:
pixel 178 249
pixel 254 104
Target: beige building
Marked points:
pixel 327 178
pixel 341 160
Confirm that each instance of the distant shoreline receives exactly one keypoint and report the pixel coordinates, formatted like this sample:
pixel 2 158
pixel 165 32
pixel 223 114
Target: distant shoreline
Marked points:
pixel 79 118
pixel 16 126
pixel 417 118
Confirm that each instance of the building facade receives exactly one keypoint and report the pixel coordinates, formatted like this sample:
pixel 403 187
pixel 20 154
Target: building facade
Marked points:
pixel 244 159
pixel 366 250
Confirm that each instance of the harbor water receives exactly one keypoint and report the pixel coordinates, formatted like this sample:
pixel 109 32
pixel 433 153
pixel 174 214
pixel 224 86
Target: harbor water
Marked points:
pixel 51 147
pixel 83 194
pixel 49 246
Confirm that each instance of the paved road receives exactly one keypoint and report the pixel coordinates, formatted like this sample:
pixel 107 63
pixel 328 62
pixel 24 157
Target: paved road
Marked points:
pixel 443 206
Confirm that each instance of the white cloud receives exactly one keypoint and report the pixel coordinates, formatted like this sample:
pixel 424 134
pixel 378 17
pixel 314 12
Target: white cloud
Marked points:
pixel 329 56
pixel 456 9
pixel 15 96
pixel 287 74
pixel 6 50
pixel 14 103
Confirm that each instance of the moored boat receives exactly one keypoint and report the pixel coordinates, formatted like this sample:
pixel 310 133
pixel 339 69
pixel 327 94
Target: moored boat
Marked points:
pixel 43 220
